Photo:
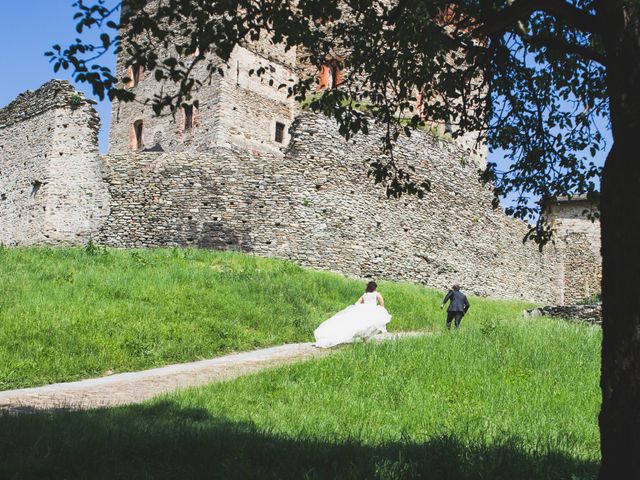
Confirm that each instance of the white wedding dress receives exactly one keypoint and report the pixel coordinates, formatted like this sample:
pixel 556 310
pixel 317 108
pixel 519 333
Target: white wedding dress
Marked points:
pixel 357 321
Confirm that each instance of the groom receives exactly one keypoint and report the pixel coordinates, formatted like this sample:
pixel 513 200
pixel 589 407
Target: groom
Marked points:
pixel 458 306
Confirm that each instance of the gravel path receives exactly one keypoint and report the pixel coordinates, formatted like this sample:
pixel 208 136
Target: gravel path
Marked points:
pixel 136 387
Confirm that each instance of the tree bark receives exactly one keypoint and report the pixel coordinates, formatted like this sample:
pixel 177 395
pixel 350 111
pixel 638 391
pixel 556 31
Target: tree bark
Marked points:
pixel 620 222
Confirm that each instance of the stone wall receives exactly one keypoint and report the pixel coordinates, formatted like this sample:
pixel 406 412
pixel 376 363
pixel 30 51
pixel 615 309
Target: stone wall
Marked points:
pixel 569 216
pixel 51 190
pixel 578 244
pixel 315 204
pixel 311 201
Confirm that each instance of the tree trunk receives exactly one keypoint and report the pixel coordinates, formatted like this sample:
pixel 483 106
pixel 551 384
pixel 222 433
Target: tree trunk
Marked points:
pixel 620 222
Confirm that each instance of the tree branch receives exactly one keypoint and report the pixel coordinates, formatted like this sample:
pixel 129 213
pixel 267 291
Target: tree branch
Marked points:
pixel 521 10
pixel 561 45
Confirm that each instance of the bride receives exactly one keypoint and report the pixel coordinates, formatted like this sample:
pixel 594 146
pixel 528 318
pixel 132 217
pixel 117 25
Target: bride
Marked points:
pixel 367 317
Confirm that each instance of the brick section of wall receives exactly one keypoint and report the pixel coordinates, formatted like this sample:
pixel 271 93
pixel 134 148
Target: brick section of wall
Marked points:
pixel 317 206
pixel 51 188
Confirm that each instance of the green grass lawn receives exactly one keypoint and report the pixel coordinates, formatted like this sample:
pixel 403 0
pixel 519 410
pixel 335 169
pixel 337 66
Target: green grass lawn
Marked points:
pixel 498 400
pixel 67 314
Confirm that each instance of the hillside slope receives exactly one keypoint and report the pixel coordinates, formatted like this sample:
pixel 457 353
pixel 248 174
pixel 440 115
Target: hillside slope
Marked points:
pixel 67 314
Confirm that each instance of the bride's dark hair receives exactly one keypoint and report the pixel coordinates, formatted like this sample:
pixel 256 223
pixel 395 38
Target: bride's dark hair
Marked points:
pixel 371 287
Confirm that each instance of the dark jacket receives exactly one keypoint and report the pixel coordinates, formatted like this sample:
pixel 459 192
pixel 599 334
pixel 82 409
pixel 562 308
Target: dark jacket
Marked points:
pixel 459 302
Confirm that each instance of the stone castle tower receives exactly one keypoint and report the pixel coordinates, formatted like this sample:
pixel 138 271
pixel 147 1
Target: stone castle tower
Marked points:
pixel 249 170
pixel 237 108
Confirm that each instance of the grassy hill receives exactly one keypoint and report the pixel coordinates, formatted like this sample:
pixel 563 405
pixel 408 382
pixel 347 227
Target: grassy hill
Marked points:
pixel 503 398
pixel 499 400
pixel 67 314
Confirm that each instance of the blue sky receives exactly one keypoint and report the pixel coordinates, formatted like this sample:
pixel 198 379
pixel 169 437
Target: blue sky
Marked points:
pixel 28 29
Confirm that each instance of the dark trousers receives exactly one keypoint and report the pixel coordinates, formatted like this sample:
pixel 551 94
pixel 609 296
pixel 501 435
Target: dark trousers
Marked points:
pixel 456 317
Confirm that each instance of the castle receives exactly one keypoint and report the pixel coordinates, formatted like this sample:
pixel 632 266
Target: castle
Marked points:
pixel 248 169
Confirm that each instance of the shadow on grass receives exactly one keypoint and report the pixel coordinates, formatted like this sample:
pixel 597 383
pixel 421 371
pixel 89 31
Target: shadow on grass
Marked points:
pixel 166 441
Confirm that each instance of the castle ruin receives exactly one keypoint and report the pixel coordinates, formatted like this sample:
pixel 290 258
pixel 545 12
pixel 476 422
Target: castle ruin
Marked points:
pixel 249 170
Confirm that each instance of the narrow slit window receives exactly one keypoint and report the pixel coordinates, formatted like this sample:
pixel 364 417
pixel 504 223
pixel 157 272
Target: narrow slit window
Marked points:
pixel 279 132
pixel 188 117
pixel 420 105
pixel 333 75
pixel 135 74
pixel 137 133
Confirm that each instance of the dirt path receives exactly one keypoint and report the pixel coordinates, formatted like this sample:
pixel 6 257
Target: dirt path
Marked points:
pixel 136 387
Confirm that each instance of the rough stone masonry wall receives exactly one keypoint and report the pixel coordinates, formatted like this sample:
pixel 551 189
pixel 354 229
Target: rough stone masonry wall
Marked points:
pixel 237 107
pixel 251 105
pixel 578 245
pixel 316 205
pixel 581 271
pixel 165 130
pixel 51 190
